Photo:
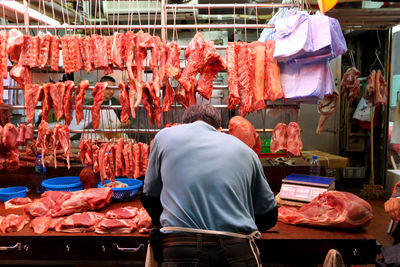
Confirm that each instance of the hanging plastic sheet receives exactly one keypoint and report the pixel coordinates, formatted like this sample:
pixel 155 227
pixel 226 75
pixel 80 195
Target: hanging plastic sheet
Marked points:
pixel 266 34
pixel 306 83
pixel 304 38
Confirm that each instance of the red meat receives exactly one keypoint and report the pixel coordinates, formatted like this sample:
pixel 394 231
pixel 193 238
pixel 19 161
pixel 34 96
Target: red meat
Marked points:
pixel 124 101
pixel 244 130
pixel 69 101
pixel 80 99
pixel 246 83
pixel 294 144
pixel 232 69
pixel 213 65
pixel 330 209
pixel 279 138
pixel 98 96
pixel 173 66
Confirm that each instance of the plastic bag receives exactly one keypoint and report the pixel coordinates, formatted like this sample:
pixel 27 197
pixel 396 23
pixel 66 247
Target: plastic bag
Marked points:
pixel 363 111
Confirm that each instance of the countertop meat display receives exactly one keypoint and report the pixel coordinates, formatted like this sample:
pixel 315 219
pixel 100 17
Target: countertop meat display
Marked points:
pixel 120 217
pixel 17 203
pixel 330 209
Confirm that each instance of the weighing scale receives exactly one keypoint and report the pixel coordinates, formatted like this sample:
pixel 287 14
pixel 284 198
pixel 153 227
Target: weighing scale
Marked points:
pixel 304 188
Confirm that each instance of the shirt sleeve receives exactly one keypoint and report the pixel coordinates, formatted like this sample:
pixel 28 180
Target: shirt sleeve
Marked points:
pixel 262 195
pixel 152 182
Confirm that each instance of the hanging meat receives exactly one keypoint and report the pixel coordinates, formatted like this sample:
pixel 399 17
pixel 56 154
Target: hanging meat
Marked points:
pixel 144 41
pixel 95 160
pixel 244 130
pixel 69 101
pixel 85 153
pixel 98 96
pixel 9 140
pixel 117 51
pixel 54 53
pixel 55 141
pixel 21 129
pixel 169 97
pixel 109 43
pixel 186 99
pixel 369 92
pixel 131 40
pixel 144 158
pixel 245 78
pixel 124 101
pixel 273 87
pixel 380 89
pixel 44 49
pixel 136 159
pixel 153 64
pixel 31 95
pixel 15 42
pixel 194 54
pixel 350 84
pixel 100 51
pixel 330 209
pixel 86 51
pixel 43 138
pixel 257 50
pixel 21 74
pixel 80 99
pixel 326 107
pixel 163 61
pixel 147 101
pixel 65 141
pixel 279 138
pixel 172 65
pixel 294 143
pixel 46 100
pixel 57 92
pixel 119 162
pixel 213 65
pixel 30 51
pixel 232 69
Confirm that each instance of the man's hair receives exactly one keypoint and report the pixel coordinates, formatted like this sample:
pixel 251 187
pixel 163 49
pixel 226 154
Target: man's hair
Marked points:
pixel 205 112
pixel 107 79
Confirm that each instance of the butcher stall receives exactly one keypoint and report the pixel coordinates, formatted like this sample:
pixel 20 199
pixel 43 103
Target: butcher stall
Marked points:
pixel 88 84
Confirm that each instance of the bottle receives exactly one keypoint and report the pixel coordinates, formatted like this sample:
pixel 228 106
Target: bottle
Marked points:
pixel 40 170
pixel 315 168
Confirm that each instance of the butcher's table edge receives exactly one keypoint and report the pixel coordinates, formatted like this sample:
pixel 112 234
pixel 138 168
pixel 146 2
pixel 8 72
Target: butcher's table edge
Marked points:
pixel 282 244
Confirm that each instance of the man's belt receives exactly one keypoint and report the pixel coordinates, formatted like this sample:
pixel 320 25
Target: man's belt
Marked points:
pixel 170 240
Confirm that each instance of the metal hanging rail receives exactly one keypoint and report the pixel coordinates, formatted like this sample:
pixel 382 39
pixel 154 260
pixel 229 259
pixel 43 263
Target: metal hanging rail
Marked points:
pixel 141 27
pixel 233 6
pixel 148 131
pixel 117 107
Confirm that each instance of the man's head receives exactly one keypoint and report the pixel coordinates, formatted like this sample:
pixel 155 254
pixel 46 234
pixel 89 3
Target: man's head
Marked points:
pixel 108 94
pixel 205 112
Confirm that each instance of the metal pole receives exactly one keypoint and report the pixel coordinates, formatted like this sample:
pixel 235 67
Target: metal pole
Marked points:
pixel 137 27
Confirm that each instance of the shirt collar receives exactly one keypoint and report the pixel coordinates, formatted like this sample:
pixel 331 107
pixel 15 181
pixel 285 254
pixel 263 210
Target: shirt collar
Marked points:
pixel 205 125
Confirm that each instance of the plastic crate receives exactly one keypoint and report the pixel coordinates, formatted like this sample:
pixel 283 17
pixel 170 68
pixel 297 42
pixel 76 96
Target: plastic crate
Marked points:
pixel 64 183
pixel 124 193
pixel 12 192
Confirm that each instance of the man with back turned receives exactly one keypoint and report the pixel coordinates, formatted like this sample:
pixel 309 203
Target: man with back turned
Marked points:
pixel 208 191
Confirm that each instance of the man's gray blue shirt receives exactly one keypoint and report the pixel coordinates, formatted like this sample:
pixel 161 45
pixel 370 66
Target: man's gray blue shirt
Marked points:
pixel 206 179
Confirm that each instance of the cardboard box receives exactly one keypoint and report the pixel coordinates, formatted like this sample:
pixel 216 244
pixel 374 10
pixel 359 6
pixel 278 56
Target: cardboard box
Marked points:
pixel 326 160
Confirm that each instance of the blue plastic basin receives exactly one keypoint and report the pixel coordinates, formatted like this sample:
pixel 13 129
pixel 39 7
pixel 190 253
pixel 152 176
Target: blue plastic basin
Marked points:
pixel 12 192
pixel 64 183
